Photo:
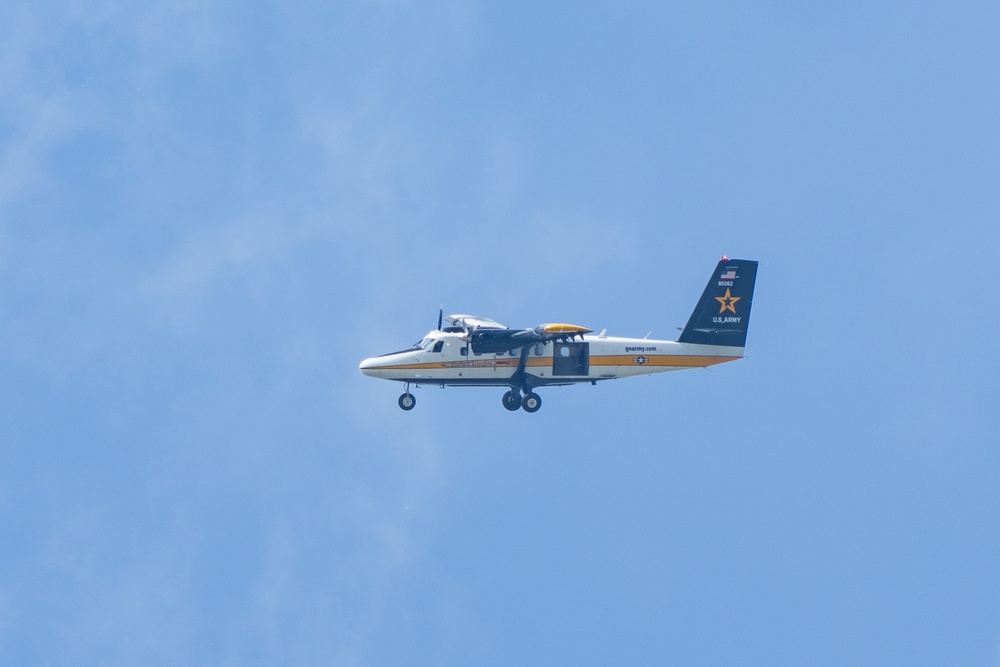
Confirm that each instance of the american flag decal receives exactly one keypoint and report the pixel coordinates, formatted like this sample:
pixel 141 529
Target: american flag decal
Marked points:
pixel 728 275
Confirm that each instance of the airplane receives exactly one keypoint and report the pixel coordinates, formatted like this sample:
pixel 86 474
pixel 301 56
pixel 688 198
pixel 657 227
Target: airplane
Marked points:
pixel 477 351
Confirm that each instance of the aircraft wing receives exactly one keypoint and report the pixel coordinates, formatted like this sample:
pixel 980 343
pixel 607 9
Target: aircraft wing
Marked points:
pixel 499 341
pixel 467 322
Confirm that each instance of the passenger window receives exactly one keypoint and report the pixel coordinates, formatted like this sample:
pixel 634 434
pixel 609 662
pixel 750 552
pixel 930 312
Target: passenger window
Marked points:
pixel 438 346
pixel 464 351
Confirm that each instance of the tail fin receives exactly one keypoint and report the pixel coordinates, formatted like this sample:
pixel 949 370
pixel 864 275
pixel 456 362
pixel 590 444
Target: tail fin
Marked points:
pixel 723 312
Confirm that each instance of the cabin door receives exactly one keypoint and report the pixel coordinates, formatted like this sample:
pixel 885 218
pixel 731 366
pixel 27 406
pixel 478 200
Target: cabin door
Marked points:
pixel 571 359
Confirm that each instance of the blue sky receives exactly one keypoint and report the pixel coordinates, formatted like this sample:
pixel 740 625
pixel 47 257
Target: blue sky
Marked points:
pixel 211 212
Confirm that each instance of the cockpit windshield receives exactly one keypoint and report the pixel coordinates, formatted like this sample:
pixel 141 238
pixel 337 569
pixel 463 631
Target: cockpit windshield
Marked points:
pixel 430 344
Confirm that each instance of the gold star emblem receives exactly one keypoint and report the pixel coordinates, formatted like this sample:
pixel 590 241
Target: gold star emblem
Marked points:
pixel 727 302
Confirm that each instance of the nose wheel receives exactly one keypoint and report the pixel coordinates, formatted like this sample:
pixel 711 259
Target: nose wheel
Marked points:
pixel 407 401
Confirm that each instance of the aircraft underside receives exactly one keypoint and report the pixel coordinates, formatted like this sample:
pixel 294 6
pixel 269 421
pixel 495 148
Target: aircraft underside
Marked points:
pixel 523 374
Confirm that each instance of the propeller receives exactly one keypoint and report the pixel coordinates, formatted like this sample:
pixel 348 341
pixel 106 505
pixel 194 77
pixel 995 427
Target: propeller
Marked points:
pixel 440 317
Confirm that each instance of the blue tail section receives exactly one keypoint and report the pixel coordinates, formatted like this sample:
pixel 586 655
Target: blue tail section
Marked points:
pixel 723 312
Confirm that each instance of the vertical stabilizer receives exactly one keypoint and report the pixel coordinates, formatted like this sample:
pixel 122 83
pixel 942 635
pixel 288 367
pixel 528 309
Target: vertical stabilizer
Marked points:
pixel 723 312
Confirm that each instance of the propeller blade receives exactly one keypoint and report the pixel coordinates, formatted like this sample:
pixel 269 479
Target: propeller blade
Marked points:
pixel 440 317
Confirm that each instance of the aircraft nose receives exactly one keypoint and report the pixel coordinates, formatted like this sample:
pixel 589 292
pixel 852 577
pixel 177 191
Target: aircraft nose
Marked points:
pixel 368 366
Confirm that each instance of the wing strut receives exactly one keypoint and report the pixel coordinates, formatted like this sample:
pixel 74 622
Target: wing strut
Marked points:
pixel 519 380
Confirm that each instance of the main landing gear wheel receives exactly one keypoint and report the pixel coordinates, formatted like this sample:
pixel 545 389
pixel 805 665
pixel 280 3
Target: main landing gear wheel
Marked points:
pixel 407 401
pixel 512 400
pixel 531 402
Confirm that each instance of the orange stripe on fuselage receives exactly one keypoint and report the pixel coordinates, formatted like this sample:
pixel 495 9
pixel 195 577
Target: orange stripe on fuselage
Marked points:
pixel 654 360
pixel 682 360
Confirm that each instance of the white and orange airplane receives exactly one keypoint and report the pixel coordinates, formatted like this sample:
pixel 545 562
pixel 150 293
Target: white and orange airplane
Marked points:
pixel 475 351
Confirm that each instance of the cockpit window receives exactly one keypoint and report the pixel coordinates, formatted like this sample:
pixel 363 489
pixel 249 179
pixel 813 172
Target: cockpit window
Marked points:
pixel 438 346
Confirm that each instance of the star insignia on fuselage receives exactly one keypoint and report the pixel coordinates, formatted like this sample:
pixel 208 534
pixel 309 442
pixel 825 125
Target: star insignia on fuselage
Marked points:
pixel 727 302
pixel 640 360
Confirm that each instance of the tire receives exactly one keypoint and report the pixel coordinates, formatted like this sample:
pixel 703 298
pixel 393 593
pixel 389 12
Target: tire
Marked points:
pixel 531 402
pixel 407 401
pixel 512 401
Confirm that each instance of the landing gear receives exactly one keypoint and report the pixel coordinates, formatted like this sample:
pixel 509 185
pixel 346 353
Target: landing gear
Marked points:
pixel 531 402
pixel 519 382
pixel 407 401
pixel 512 400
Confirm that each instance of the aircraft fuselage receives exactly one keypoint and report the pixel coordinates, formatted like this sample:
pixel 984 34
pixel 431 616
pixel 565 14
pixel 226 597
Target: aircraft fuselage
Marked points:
pixel 591 359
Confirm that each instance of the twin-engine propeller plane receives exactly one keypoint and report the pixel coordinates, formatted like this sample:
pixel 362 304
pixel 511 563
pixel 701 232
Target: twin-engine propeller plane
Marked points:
pixel 475 351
